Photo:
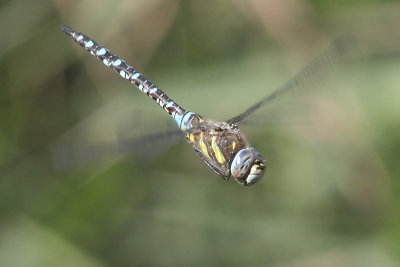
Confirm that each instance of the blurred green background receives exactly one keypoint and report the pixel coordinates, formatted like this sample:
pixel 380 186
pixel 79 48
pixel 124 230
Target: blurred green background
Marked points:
pixel 330 196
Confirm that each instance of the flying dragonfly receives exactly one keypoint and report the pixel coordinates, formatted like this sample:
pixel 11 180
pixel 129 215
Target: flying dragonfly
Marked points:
pixel 221 144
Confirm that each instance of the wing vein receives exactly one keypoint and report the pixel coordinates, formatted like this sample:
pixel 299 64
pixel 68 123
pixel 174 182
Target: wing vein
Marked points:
pixel 323 63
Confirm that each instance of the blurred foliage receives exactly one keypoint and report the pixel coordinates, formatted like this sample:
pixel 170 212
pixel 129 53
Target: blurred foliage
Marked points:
pixel 331 193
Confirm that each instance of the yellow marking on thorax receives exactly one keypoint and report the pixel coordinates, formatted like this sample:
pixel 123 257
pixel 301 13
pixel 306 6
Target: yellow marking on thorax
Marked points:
pixel 233 145
pixel 191 138
pixel 203 146
pixel 218 154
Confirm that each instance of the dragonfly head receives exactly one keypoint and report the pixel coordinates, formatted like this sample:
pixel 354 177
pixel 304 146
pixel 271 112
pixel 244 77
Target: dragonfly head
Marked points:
pixel 247 166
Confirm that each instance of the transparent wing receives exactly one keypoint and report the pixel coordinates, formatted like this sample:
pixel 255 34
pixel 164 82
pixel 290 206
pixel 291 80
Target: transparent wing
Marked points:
pixel 98 138
pixel 307 77
pixel 68 155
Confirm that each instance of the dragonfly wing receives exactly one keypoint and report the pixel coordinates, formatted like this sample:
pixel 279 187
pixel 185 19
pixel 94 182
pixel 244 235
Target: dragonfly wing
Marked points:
pixel 307 77
pixel 66 155
pixel 128 134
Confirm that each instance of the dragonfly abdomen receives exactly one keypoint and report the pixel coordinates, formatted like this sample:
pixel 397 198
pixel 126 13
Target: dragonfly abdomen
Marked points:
pixel 134 77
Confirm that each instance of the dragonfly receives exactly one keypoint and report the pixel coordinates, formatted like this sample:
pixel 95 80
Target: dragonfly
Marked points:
pixel 221 144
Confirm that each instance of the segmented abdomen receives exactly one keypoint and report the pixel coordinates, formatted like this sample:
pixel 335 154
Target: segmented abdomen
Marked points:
pixel 183 118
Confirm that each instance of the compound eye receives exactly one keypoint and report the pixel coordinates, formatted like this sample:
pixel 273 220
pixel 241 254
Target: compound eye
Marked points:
pixel 241 164
pixel 247 166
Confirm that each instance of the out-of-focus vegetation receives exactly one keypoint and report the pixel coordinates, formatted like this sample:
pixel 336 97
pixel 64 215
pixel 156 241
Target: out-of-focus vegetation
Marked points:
pixel 330 196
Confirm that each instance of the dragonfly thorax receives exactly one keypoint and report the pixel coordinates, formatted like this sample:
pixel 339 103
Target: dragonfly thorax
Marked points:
pixel 217 143
pixel 247 166
pixel 225 150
